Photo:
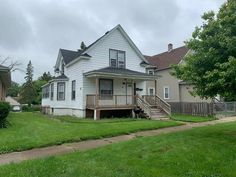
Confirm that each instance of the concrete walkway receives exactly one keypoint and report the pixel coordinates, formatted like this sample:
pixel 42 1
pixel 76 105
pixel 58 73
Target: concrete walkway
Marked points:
pixel 91 144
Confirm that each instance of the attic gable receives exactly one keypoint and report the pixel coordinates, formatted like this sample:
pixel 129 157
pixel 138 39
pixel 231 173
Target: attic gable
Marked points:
pixel 124 34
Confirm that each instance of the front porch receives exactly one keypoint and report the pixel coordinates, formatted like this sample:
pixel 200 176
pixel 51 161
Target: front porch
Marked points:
pixel 114 89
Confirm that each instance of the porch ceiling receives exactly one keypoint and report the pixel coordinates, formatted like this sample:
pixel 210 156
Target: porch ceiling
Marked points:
pixel 119 73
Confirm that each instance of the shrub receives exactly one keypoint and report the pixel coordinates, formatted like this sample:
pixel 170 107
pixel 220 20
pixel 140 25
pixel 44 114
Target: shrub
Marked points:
pixel 33 108
pixel 36 107
pixel 4 111
pixel 27 108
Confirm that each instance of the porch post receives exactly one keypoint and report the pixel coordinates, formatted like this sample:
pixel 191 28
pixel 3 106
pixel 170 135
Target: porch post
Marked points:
pixel 155 90
pixel 133 96
pixel 96 115
pixel 155 86
pixel 97 92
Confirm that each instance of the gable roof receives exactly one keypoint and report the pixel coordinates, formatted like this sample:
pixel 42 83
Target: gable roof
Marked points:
pixel 122 31
pixel 70 55
pixel 166 59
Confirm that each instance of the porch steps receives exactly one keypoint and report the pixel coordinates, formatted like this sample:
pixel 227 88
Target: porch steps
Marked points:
pixel 158 114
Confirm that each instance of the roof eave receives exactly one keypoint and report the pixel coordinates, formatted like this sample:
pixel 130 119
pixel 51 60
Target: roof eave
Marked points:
pixel 115 75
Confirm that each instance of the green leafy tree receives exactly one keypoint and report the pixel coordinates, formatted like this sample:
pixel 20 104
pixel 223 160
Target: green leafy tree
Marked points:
pixel 46 77
pixel 42 80
pixel 82 45
pixel 211 62
pixel 38 87
pixel 14 90
pixel 28 93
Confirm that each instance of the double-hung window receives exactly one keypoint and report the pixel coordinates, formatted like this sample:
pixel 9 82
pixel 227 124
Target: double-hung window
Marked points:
pixel 166 90
pixel 45 92
pixel 106 88
pixel 61 91
pixel 117 58
pixel 73 85
pixel 52 91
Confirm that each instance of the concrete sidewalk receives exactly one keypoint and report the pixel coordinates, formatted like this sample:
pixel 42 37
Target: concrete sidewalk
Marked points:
pixel 91 144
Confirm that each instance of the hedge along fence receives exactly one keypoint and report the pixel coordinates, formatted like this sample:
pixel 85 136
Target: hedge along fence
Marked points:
pixel 4 111
pixel 192 108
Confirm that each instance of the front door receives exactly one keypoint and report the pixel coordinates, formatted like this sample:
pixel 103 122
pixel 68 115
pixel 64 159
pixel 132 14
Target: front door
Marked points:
pixel 129 96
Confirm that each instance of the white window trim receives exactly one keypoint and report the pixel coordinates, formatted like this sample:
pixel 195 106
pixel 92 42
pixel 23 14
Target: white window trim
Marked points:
pixel 166 98
pixel 149 88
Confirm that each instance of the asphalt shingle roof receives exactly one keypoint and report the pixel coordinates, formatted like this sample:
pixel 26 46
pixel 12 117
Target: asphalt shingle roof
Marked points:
pixel 63 76
pixel 69 55
pixel 123 71
pixel 166 59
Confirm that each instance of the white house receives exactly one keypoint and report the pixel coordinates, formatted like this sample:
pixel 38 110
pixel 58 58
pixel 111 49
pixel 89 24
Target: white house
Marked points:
pixel 107 77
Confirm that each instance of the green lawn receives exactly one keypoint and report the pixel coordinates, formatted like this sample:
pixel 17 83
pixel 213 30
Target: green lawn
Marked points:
pixel 200 152
pixel 29 130
pixel 189 118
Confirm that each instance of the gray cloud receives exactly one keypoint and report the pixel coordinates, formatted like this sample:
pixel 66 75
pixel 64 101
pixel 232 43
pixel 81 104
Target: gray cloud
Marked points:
pixel 35 30
pixel 15 30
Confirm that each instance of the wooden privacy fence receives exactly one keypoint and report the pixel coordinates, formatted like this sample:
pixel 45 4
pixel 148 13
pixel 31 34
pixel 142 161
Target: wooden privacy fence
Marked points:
pixel 192 108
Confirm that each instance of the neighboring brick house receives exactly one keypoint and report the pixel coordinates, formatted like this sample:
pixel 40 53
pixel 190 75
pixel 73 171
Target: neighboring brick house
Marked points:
pixel 168 87
pixel 5 81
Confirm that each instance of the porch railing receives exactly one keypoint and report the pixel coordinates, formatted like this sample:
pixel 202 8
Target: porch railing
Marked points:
pixel 116 101
pixel 155 100
pixel 144 105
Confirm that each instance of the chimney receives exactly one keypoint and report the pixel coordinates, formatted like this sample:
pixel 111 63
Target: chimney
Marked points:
pixel 170 47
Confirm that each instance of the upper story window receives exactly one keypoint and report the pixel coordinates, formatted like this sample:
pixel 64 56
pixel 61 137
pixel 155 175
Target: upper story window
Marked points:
pixel 73 84
pixel 151 72
pixel 61 91
pixel 117 58
pixel 62 68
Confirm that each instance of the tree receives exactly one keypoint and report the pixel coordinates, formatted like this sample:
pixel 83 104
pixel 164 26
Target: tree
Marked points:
pixel 28 94
pixel 211 63
pixel 14 90
pixel 46 77
pixel 42 80
pixel 38 88
pixel 12 65
pixel 82 45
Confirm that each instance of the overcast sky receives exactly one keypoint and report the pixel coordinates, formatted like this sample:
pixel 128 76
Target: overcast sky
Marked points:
pixel 35 30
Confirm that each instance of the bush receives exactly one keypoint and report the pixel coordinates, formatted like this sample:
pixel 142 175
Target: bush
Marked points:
pixel 4 111
pixel 36 107
pixel 33 108
pixel 27 108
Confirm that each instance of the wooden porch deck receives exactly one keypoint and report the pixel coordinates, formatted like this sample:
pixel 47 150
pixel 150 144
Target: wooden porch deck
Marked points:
pixel 110 102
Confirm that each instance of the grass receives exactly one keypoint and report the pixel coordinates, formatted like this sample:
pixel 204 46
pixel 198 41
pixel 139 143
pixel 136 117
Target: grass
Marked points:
pixel 201 152
pixel 190 118
pixel 30 130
